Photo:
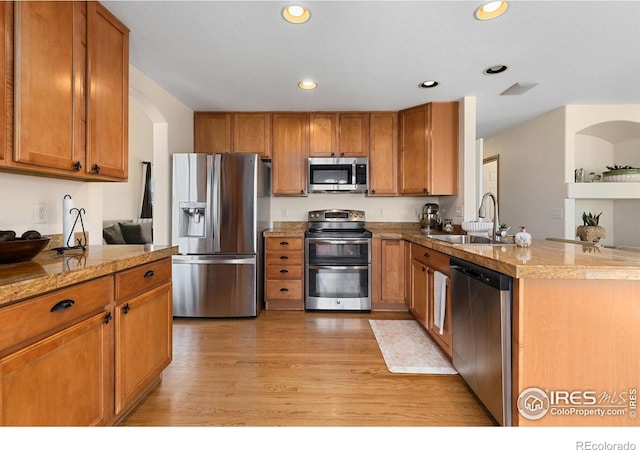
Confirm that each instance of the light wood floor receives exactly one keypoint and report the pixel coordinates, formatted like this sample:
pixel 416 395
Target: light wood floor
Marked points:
pixel 294 368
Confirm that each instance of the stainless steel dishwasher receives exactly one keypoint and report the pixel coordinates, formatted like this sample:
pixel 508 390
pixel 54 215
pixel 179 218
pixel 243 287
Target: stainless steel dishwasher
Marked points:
pixel 481 314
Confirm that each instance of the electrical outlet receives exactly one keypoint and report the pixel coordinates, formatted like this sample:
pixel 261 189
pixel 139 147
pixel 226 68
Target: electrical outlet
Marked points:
pixel 40 213
pixel 380 212
pixel 285 212
pixel 556 213
pixel 416 212
pixel 458 211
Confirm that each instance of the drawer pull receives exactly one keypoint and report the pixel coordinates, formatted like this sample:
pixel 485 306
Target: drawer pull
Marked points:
pixel 284 243
pixel 426 254
pixel 149 273
pixel 284 257
pixel 284 271
pixel 107 318
pixel 284 290
pixel 62 304
pixel 125 309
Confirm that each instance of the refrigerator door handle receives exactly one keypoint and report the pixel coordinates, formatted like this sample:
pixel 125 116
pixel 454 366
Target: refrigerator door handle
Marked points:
pixel 215 203
pixel 193 259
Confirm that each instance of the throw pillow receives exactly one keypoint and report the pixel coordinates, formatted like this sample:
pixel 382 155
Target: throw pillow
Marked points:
pixel 132 233
pixel 113 235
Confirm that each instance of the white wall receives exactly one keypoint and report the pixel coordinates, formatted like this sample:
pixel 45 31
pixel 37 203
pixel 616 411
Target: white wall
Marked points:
pixel 123 200
pixel 20 193
pixel 172 132
pixel 532 174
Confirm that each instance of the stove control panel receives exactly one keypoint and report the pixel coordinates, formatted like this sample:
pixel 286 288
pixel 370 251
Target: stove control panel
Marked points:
pixel 336 215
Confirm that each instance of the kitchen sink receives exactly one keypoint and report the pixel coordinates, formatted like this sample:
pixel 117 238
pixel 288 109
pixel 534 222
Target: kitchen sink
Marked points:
pixel 465 239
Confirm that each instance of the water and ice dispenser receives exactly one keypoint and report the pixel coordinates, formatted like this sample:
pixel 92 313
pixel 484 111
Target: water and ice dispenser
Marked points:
pixel 192 219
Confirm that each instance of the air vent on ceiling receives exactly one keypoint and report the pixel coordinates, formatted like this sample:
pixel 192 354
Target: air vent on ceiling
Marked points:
pixel 519 88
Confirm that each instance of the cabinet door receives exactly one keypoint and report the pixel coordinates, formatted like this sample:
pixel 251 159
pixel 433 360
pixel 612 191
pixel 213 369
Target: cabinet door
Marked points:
pixel 420 288
pixel 414 168
pixel 323 134
pixel 50 116
pixel 389 287
pixel 6 46
pixel 252 133
pixel 212 132
pixel 353 134
pixel 290 150
pixel 383 154
pixel 108 107
pixel 443 150
pixel 63 380
pixel 143 342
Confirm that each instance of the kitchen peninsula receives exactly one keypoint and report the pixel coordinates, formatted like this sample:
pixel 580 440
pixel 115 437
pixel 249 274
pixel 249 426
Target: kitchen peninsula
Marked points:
pixel 576 314
pixel 85 335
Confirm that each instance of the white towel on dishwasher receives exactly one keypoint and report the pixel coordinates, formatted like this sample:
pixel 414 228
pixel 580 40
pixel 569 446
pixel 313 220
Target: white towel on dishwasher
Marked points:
pixel 439 299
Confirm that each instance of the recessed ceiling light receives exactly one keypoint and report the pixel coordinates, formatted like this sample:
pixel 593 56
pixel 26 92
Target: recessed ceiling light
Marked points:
pixel 428 84
pixel 296 14
pixel 490 10
pixel 307 84
pixel 495 69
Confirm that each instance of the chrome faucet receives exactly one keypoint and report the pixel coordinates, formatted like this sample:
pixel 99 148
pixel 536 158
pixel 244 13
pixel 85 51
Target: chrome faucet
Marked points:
pixel 482 213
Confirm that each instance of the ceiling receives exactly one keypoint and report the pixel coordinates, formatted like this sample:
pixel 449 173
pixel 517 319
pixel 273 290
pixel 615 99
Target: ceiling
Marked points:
pixel 371 55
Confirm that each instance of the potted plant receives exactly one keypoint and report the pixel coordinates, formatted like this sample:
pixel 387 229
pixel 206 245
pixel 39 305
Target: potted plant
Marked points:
pixel 591 231
pixel 621 173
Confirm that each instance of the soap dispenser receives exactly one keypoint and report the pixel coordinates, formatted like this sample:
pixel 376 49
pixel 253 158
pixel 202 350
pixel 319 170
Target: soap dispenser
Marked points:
pixel 522 238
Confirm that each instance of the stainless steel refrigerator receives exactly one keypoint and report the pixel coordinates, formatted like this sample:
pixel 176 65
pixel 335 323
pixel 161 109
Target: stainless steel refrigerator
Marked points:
pixel 220 208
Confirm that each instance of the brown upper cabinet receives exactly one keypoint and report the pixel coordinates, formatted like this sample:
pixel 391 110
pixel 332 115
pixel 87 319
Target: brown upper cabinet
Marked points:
pixel 383 154
pixel 289 153
pixel 339 134
pixel 70 89
pixel 212 132
pixel 252 133
pixel 429 149
pixel 238 132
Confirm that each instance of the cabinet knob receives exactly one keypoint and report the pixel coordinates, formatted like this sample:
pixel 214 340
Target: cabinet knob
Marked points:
pixel 96 168
pixel 149 273
pixel 424 269
pixel 284 257
pixel 63 304
pixel 108 318
pixel 373 191
pixel 425 191
pixel 284 243
pixel 284 271
pixel 77 166
pixel 125 309
pixel 284 290
pixel 333 154
pixel 342 154
pixel 426 254
pixel 302 191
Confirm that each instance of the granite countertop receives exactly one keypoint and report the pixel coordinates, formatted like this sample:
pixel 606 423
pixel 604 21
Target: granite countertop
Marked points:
pixel 544 259
pixel 49 271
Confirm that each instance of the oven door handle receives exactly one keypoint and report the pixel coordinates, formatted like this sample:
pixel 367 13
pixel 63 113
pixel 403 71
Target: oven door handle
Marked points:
pixel 337 241
pixel 339 267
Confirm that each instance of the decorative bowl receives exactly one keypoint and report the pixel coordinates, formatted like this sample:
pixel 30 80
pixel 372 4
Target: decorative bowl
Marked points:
pixel 622 175
pixel 477 228
pixel 20 249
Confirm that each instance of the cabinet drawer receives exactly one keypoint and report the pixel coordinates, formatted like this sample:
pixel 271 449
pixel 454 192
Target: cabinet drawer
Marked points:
pixel 285 258
pixel 284 272
pixel 284 289
pixel 290 244
pixel 29 319
pixel 432 258
pixel 142 278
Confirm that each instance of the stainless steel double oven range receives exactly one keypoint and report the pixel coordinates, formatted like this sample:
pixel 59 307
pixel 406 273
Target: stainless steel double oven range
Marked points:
pixel 337 261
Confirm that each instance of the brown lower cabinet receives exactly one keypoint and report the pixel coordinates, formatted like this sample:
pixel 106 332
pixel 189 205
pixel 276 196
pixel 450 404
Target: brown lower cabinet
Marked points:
pixel 389 283
pixel 74 357
pixel 425 262
pixel 284 280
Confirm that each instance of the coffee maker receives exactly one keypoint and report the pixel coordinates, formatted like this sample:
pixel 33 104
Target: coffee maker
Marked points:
pixel 429 219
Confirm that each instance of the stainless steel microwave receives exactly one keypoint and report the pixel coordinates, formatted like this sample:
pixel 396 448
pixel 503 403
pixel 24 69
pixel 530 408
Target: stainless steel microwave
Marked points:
pixel 338 174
